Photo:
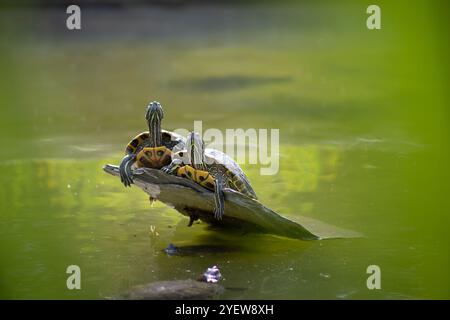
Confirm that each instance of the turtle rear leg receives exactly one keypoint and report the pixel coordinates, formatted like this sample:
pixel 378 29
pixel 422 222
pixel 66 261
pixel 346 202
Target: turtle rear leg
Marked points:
pixel 219 198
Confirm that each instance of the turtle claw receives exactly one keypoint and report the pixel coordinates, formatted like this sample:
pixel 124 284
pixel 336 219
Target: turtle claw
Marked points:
pixel 219 200
pixel 126 176
pixel 218 213
pixel 172 167
pixel 128 173
pixel 166 169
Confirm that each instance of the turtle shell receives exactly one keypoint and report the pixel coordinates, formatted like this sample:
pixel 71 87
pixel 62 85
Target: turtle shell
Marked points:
pixel 170 140
pixel 214 157
pixel 203 178
pixel 173 141
pixel 155 157
pixel 239 179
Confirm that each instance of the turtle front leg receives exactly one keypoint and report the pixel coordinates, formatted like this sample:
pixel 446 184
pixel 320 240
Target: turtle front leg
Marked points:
pixel 125 169
pixel 172 167
pixel 152 200
pixel 219 199
pixel 192 218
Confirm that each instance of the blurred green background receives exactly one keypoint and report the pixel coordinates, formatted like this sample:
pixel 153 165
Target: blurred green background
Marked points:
pixel 364 127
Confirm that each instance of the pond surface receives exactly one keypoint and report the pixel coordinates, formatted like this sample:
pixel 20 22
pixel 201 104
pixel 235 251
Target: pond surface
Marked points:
pixel 363 145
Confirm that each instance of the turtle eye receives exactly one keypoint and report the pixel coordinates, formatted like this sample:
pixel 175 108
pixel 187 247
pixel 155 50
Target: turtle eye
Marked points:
pixel 160 153
pixel 181 154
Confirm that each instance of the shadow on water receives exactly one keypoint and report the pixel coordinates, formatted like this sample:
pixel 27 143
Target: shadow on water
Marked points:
pixel 197 250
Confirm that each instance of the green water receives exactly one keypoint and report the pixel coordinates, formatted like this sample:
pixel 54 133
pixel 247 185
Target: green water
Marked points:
pixel 363 118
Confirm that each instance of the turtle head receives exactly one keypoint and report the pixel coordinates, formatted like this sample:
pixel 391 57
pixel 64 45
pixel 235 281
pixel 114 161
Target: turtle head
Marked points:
pixel 154 113
pixel 195 148
pixel 154 116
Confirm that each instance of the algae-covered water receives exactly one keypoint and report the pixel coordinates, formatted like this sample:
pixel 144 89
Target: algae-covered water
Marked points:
pixel 364 126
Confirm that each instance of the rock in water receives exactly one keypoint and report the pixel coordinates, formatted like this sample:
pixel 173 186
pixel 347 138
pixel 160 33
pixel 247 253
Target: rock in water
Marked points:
pixel 174 290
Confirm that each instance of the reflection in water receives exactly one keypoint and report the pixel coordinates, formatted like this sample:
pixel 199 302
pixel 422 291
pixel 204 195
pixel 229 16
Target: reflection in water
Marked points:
pixel 231 82
pixel 77 214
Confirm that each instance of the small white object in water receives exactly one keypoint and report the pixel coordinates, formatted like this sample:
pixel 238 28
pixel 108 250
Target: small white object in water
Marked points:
pixel 212 275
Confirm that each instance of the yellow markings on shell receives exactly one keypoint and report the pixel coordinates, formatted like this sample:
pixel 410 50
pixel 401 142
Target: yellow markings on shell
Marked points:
pixel 186 172
pixel 136 142
pixel 154 157
pixel 203 178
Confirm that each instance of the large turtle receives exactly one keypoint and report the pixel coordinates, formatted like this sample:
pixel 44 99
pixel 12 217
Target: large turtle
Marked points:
pixel 153 148
pixel 211 169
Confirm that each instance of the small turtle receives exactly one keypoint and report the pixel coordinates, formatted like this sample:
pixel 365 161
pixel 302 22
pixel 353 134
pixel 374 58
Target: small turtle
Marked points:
pixel 151 149
pixel 211 169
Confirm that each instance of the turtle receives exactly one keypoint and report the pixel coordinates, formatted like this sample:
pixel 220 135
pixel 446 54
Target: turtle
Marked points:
pixel 153 148
pixel 210 168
